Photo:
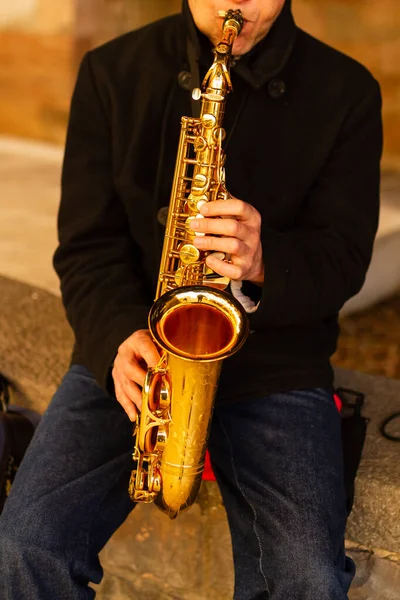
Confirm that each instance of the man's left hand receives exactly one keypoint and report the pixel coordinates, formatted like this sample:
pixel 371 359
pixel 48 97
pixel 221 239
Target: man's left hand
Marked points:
pixel 240 238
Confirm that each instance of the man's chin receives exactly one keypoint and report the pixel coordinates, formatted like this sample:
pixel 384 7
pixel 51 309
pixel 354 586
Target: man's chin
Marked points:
pixel 241 47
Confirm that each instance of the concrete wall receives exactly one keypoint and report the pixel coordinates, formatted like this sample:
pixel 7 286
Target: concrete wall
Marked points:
pixel 42 41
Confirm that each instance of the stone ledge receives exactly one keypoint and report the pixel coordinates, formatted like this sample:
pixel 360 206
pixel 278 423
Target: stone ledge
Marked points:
pixel 35 345
pixel 377 576
pixel 35 342
pixel 374 520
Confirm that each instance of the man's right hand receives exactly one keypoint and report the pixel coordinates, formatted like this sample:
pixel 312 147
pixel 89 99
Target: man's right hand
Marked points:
pixel 135 355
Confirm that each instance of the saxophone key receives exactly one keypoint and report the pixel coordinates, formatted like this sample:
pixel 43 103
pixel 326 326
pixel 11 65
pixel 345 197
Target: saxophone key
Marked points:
pixel 179 276
pixel 201 203
pixel 189 254
pixel 195 202
pixel 200 183
pixel 200 144
pixel 219 134
pixel 208 120
pixel 196 94
pixel 189 229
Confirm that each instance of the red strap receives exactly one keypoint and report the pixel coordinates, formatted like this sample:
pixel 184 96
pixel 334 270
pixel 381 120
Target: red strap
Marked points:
pixel 338 402
pixel 208 473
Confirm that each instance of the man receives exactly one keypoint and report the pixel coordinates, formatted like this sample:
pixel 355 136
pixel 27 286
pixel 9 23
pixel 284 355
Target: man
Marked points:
pixel 303 148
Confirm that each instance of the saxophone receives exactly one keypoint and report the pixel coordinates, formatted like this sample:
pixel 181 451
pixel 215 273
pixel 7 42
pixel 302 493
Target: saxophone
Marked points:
pixel 194 322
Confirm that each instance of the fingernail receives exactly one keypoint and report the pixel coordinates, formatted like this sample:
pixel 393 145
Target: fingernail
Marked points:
pixel 204 208
pixel 194 223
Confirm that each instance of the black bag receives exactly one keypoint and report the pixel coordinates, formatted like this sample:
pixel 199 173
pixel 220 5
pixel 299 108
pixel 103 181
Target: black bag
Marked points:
pixel 354 430
pixel 16 432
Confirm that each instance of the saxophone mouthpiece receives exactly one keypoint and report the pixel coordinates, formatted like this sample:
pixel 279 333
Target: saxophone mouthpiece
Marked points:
pixel 224 13
pixel 232 18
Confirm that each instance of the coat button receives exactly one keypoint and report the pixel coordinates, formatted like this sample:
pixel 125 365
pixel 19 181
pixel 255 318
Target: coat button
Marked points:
pixel 185 80
pixel 162 215
pixel 276 88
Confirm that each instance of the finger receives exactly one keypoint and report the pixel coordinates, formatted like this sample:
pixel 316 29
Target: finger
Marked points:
pixel 141 344
pixel 128 386
pixel 225 269
pixel 128 406
pixel 150 353
pixel 232 207
pixel 131 370
pixel 232 246
pixel 226 227
pixel 133 391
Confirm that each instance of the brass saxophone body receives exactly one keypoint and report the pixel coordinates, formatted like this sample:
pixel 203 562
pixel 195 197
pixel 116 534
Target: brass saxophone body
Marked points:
pixel 193 321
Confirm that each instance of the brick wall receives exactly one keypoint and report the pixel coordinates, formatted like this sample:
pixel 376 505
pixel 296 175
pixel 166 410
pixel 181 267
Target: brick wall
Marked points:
pixel 41 45
pixel 42 41
pixel 36 40
pixel 44 16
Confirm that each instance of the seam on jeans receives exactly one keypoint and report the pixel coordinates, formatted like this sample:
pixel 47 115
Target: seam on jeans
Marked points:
pixel 249 503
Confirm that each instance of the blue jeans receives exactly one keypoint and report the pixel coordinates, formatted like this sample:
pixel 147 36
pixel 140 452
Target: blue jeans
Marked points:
pixel 278 463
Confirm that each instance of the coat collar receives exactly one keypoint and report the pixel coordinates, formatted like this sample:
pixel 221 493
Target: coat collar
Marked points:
pixel 264 61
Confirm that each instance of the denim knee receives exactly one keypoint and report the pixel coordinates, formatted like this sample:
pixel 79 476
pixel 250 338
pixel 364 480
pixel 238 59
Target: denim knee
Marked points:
pixel 39 568
pixel 309 574
pixel 21 529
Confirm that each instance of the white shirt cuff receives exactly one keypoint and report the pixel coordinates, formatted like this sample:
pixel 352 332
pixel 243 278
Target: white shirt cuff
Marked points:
pixel 248 304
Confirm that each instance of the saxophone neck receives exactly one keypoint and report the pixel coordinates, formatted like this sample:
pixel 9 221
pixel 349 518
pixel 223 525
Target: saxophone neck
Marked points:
pixel 217 79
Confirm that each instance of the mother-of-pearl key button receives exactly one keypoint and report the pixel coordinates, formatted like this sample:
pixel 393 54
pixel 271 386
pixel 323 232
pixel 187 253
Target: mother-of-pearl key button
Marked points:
pixel 200 183
pixel 208 120
pixel 196 94
pixel 200 204
pixel 188 221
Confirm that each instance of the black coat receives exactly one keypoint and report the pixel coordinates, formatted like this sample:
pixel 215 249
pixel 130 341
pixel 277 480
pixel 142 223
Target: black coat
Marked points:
pixel 303 146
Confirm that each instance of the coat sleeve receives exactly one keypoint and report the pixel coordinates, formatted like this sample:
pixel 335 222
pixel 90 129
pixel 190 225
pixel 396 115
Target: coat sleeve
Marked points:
pixel 312 269
pixel 98 263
